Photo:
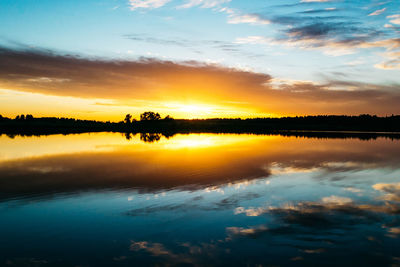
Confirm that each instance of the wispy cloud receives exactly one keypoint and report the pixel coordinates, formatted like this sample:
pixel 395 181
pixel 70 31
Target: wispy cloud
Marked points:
pixel 247 18
pixel 147 4
pixel 395 19
pixel 235 17
pixel 312 1
pixel 377 12
pixel 316 11
pixel 203 3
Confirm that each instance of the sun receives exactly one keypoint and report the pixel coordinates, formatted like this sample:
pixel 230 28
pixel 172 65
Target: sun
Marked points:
pixel 194 109
pixel 191 110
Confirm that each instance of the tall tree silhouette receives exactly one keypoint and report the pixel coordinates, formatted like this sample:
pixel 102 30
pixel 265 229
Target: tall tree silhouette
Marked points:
pixel 150 116
pixel 128 118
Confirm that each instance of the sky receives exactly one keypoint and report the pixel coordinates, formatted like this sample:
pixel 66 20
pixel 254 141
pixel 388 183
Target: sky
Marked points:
pixel 101 59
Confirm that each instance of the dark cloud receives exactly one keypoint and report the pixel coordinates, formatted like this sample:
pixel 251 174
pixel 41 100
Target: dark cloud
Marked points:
pixel 50 73
pixel 154 80
pixel 344 31
pixel 336 28
pixel 318 28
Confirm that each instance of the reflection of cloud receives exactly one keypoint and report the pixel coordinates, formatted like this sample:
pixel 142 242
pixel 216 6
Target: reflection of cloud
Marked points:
pixel 184 253
pixel 251 212
pixel 314 251
pixel 27 262
pixel 194 205
pixel 329 214
pixel 155 249
pixel 246 231
pixel 353 189
pixel 336 200
pixel 151 167
pixel 120 258
pixel 321 229
pixel 394 230
pixel 392 191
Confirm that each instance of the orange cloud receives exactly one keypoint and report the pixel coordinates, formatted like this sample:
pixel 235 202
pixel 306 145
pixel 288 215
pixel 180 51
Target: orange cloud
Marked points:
pixel 126 83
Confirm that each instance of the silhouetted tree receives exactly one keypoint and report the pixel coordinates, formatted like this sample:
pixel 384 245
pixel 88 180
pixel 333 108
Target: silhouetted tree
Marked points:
pixel 150 116
pixel 28 117
pixel 128 118
pixel 168 118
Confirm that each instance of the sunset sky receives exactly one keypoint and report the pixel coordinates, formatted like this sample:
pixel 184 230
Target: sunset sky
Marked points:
pixel 101 59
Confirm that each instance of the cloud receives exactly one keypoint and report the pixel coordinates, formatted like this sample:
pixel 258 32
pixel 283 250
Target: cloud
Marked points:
pixel 193 45
pixel 204 3
pixel 395 19
pixel 392 57
pixel 149 79
pixel 318 11
pixel 315 1
pixel 388 65
pixel 48 73
pixel 377 12
pixel 247 18
pixel 236 17
pixel 310 39
pixel 332 35
pixel 149 4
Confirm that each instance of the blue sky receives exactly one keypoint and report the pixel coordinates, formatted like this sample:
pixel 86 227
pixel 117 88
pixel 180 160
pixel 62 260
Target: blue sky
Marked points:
pixel 316 41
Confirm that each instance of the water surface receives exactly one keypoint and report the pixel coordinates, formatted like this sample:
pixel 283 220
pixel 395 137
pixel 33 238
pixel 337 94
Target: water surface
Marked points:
pixel 103 199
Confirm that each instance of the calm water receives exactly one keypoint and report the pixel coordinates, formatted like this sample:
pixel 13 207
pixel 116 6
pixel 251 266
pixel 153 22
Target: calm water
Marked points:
pixel 200 199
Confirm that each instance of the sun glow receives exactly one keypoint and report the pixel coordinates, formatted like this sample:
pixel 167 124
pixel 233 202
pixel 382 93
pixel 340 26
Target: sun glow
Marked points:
pixel 193 110
pixel 43 105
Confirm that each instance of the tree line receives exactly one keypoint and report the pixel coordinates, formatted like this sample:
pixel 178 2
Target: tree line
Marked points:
pixel 153 122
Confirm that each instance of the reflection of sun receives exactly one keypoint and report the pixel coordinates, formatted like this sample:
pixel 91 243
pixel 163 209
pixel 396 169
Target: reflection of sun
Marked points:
pixel 194 141
pixel 198 141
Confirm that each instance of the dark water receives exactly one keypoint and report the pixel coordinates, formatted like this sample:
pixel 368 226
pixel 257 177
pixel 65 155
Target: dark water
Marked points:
pixel 200 199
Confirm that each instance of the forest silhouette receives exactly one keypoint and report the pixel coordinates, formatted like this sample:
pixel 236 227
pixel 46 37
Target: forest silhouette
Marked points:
pixel 151 125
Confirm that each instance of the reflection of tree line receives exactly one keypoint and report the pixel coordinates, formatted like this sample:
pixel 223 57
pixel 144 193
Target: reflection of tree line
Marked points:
pixel 151 126
pixel 147 137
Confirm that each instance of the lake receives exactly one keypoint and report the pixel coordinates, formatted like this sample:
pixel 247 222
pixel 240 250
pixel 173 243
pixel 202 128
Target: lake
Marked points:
pixel 104 199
